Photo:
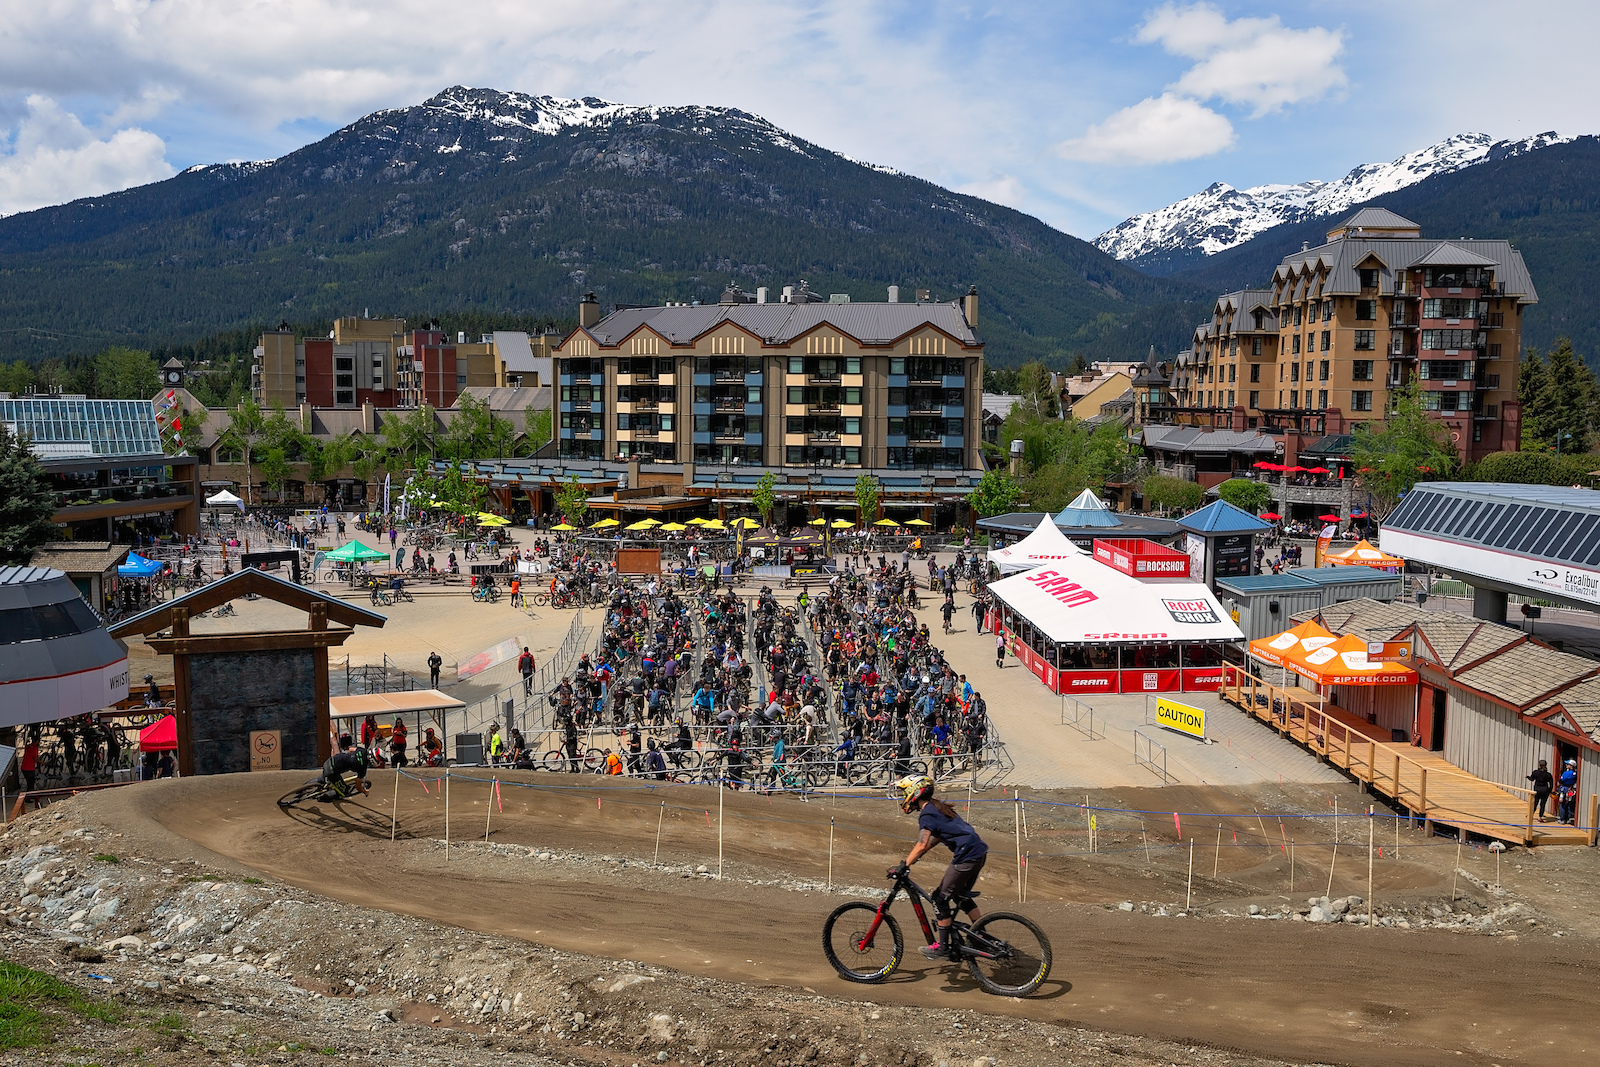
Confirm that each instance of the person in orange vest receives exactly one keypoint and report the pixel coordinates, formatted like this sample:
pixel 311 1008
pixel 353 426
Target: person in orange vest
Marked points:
pixel 516 591
pixel 613 762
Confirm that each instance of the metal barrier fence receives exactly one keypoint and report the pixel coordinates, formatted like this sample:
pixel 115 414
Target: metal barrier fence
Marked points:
pixel 1151 753
pixel 1080 716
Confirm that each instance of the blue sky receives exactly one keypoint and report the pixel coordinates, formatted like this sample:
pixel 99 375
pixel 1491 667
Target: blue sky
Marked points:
pixel 1080 113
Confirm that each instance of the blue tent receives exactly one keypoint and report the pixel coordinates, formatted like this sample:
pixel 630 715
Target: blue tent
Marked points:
pixel 1221 517
pixel 139 567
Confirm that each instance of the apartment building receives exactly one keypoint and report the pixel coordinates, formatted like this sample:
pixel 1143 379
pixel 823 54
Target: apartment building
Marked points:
pixel 1376 307
pixel 382 363
pixel 799 383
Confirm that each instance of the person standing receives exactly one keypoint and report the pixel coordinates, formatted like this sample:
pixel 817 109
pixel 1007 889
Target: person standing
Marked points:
pixel 516 591
pixel 999 650
pixel 434 663
pixel 30 760
pixel 1543 784
pixel 1567 793
pixel 398 743
pixel 525 665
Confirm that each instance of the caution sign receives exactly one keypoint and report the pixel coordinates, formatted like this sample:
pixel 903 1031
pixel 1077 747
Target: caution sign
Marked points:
pixel 1182 718
pixel 266 750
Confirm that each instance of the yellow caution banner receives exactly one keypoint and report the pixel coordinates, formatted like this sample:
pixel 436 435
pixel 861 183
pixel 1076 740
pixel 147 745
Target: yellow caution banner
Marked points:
pixel 1180 717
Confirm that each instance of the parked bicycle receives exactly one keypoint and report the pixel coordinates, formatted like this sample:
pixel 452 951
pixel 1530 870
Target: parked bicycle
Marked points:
pixel 1007 953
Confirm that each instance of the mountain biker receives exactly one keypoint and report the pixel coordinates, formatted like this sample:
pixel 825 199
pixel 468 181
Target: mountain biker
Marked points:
pixel 348 760
pixel 940 825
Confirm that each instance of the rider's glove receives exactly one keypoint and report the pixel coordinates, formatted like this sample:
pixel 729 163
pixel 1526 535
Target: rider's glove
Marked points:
pixel 898 870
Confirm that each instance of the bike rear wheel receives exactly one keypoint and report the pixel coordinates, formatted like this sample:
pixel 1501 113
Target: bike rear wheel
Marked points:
pixel 1008 954
pixel 309 791
pixel 844 940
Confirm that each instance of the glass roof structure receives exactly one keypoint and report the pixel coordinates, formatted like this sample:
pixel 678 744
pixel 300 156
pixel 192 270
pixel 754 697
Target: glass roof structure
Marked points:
pixel 76 428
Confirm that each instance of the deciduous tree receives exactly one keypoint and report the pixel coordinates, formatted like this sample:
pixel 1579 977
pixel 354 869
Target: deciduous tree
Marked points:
pixel 1407 447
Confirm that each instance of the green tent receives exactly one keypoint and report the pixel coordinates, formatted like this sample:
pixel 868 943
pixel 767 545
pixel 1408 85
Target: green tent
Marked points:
pixel 355 552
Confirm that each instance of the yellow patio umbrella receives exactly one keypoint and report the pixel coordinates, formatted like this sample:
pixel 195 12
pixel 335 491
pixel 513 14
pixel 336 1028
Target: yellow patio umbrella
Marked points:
pixel 817 522
pixel 886 522
pixel 918 522
pixel 603 523
pixel 697 521
pixel 712 524
pixel 747 523
pixel 673 527
pixel 563 526
pixel 643 524
pixel 492 520
pixel 843 524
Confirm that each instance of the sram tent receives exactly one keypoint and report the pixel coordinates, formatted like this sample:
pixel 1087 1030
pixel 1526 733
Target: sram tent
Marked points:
pixel 1365 554
pixel 1047 544
pixel 159 736
pixel 1081 626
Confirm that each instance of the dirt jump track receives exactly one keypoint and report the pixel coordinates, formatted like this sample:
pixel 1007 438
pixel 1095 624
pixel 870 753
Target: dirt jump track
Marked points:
pixel 1279 989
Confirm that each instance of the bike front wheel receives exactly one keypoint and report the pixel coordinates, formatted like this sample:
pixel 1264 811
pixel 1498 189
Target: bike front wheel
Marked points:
pixel 853 954
pixel 1008 954
pixel 310 791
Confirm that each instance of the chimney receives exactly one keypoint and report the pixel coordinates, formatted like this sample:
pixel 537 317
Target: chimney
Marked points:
pixel 894 294
pixel 969 307
pixel 761 294
pixel 461 337
pixel 788 294
pixel 588 310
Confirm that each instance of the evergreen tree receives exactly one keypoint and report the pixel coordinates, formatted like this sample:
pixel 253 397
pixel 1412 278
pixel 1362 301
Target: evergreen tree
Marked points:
pixel 1560 398
pixel 26 502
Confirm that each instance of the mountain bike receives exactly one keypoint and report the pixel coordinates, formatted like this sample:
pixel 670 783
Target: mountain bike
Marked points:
pixel 319 789
pixel 1007 953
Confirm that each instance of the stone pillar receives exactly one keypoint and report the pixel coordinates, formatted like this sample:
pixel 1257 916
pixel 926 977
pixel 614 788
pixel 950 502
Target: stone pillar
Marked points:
pixel 1488 604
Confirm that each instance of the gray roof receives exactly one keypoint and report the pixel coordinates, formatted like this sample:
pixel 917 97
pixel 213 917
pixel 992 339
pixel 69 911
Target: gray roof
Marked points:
pixel 79 557
pixel 999 404
pixel 1195 439
pixel 1343 257
pixel 514 351
pixel 1377 218
pixel 1446 254
pixel 30 597
pixel 780 324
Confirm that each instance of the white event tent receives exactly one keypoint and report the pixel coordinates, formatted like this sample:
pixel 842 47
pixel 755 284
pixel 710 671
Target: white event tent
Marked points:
pixel 1045 545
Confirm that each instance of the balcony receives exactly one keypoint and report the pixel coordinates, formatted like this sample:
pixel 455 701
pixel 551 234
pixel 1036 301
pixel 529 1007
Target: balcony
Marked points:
pixel 728 403
pixel 1404 322
pixel 120 494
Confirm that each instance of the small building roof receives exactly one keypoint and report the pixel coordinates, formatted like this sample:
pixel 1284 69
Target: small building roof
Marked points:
pixel 1087 510
pixel 249 580
pixel 1219 517
pixel 1445 254
pixel 79 557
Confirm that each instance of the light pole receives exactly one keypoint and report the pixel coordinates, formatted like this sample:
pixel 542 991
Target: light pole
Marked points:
pixel 1559 436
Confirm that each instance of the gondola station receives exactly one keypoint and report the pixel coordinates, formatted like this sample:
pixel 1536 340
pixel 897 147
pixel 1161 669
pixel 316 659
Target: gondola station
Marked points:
pixel 1124 618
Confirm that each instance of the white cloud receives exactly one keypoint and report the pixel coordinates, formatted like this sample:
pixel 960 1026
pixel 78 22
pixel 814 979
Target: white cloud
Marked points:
pixel 55 158
pixel 1003 189
pixel 1161 129
pixel 1252 62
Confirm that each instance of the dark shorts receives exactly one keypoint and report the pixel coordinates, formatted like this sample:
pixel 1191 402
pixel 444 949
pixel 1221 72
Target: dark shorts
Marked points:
pixel 959 878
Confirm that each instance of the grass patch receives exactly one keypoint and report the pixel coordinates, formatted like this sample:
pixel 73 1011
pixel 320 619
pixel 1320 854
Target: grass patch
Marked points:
pixel 24 996
pixel 328 1050
pixel 172 1023
pixel 201 878
pixel 106 857
pixel 251 881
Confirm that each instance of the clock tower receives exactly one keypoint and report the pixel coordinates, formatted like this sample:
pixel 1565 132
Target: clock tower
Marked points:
pixel 172 373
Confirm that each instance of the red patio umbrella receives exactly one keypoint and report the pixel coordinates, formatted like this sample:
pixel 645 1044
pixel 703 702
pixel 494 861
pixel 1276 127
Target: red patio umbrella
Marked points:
pixel 1271 516
pixel 1318 470
pixel 1293 470
pixel 1266 465
pixel 1328 518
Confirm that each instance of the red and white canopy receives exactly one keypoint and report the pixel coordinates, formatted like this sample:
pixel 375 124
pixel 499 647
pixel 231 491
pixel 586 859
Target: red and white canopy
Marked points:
pixel 1045 545
pixel 1078 601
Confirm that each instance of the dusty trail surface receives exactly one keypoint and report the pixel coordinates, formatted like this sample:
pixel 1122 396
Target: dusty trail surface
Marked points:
pixel 1288 990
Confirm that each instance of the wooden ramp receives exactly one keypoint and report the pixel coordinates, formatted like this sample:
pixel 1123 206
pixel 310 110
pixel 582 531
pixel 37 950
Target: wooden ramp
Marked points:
pixel 1423 783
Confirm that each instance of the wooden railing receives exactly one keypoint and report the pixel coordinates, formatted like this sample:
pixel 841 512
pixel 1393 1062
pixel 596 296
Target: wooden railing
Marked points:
pixel 1374 762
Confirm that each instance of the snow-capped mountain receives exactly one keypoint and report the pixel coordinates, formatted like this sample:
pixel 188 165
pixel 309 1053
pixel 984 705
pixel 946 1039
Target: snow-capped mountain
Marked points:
pixel 1220 216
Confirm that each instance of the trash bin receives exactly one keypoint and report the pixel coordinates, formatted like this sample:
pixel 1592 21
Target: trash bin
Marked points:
pixel 469 750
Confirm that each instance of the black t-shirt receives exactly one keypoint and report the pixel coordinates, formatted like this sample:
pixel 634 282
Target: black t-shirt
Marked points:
pixel 954 832
pixel 342 762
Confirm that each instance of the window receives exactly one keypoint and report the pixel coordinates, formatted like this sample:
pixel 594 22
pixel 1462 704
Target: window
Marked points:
pixel 1366 341
pixel 852 394
pixel 1233 347
pixel 1366 310
pixel 1322 399
pixel 665 422
pixel 752 394
pixel 1361 370
pixel 797 364
pixel 897 365
pixel 1327 340
pixel 852 365
pixel 1446 401
pixel 1327 311
pixel 1255 372
pixel 1255 399
pixel 1361 400
pixel 1233 372
pixel 1449 308
pixel 1294 348
pixel 1294 398
pixel 1294 372
pixel 1449 340
pixel 1322 371
pixel 1280 371
pixel 1369 279
pixel 1231 400
pixel 1297 310
pixel 624 421
pixel 897 426
pixel 1255 346
pixel 1452 370
pixel 702 423
pixel 897 397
